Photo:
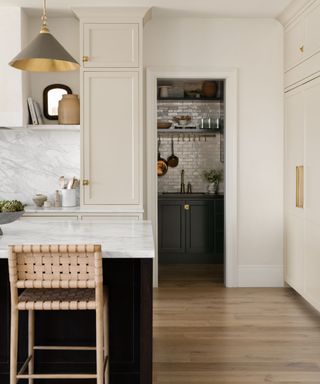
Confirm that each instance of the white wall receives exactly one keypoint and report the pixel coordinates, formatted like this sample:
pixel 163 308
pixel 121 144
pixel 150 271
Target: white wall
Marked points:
pixel 11 99
pixel 255 47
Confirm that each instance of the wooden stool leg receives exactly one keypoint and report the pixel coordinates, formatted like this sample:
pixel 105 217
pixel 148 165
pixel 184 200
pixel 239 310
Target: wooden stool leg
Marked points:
pixel 31 343
pixel 106 339
pixel 14 345
pixel 99 342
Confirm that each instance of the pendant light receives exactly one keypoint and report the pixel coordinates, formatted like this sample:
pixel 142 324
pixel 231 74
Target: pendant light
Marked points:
pixel 44 53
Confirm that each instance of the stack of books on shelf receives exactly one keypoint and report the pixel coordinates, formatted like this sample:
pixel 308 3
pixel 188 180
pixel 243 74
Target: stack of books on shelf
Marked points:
pixel 36 117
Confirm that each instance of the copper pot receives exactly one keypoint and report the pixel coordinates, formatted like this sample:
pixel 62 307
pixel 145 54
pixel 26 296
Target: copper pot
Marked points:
pixel 162 165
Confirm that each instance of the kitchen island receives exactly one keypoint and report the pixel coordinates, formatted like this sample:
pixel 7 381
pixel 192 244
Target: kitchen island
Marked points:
pixel 128 252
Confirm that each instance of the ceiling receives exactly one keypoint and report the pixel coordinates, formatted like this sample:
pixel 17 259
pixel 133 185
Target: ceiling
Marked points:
pixel 208 8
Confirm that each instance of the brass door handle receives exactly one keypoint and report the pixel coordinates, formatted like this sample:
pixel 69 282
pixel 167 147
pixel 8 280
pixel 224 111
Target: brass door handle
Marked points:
pixel 301 48
pixel 85 59
pixel 299 186
pixel 85 182
pixel 187 207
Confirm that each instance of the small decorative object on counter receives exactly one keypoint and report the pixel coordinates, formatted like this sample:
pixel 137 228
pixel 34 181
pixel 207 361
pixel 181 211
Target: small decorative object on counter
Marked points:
pixel 209 89
pixel 189 188
pixel 10 210
pixel 57 199
pixel 69 197
pixel 214 176
pixel 69 110
pixel 39 199
pixel 47 204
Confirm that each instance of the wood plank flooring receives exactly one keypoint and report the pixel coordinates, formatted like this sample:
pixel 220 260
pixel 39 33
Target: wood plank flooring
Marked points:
pixel 205 333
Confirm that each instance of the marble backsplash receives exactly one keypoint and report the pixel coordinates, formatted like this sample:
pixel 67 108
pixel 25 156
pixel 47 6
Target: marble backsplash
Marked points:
pixel 32 161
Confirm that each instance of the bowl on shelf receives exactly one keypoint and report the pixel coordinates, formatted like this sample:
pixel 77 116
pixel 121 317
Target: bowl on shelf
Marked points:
pixel 182 120
pixel 164 124
pixel 9 217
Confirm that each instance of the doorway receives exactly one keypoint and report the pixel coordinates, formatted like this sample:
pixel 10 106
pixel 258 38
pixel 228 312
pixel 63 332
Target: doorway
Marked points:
pixel 155 78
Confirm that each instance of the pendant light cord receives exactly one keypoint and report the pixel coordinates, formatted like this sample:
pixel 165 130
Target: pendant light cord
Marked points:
pixel 44 26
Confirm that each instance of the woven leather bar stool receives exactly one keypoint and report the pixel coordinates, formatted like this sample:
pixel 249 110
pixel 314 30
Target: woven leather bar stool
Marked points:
pixel 57 277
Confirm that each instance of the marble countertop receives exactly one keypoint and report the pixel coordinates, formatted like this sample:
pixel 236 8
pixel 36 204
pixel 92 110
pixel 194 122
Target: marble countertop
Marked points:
pixel 119 239
pixel 75 210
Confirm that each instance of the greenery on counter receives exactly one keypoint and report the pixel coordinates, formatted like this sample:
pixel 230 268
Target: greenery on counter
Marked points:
pixel 11 206
pixel 213 175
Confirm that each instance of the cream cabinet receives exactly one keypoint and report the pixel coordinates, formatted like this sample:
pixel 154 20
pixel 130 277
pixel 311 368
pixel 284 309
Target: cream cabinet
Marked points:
pixel 312 31
pixel 111 138
pixel 302 226
pixel 111 108
pixel 302 44
pixel 294 134
pixel 112 45
pixel 294 44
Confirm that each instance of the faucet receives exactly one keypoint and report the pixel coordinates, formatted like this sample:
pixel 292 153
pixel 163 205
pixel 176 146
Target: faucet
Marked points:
pixel 182 185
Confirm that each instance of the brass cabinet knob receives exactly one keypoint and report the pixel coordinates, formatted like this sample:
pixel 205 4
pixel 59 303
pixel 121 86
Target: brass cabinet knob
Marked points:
pixel 85 182
pixel 301 48
pixel 85 59
pixel 186 207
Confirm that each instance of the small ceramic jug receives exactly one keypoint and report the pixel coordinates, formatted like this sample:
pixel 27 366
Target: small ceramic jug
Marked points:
pixel 69 110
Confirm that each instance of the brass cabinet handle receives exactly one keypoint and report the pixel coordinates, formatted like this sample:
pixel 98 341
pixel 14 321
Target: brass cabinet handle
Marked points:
pixel 301 48
pixel 85 182
pixel 85 59
pixel 186 207
pixel 299 186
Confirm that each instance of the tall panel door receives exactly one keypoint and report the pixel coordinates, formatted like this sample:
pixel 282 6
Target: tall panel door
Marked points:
pixel 113 45
pixel 171 229
pixel 111 138
pixel 199 226
pixel 294 213
pixel 312 178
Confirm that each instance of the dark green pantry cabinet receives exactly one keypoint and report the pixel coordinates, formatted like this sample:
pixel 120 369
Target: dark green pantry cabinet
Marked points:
pixel 191 230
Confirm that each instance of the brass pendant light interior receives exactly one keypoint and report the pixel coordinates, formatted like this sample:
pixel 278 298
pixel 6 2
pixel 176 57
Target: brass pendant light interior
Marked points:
pixel 44 53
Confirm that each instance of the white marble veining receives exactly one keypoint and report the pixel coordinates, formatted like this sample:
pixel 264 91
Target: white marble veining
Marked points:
pixel 32 161
pixel 119 239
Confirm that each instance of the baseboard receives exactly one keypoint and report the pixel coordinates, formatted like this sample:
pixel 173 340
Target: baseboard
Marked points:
pixel 261 276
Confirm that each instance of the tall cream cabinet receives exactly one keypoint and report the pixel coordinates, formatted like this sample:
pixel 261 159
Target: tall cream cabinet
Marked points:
pixel 302 45
pixel 111 105
pixel 302 172
pixel 111 138
pixel 294 134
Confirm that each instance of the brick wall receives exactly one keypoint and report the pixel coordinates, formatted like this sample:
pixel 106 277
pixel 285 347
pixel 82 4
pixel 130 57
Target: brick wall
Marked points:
pixel 195 156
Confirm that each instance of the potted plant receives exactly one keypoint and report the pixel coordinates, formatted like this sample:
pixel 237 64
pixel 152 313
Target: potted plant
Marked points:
pixel 213 176
pixel 10 210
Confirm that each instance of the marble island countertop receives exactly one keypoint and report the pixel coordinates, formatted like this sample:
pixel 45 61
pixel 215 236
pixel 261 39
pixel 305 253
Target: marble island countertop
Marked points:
pixel 74 210
pixel 119 238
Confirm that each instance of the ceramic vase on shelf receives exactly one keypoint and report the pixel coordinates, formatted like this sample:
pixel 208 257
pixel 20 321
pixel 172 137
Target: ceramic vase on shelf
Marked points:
pixel 213 188
pixel 209 89
pixel 69 110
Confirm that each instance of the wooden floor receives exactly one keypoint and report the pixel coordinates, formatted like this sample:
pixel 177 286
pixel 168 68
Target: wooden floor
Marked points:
pixel 205 333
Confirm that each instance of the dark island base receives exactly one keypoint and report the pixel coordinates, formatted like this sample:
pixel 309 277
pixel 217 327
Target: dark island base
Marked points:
pixel 130 314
